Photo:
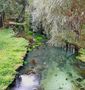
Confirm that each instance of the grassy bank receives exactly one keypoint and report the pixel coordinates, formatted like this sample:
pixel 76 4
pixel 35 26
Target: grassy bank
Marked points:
pixel 81 55
pixel 12 50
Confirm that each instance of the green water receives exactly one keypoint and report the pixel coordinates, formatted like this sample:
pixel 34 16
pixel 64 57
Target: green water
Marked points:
pixel 57 69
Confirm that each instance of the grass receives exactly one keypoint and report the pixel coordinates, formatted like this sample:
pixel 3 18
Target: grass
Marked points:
pixel 81 55
pixel 12 50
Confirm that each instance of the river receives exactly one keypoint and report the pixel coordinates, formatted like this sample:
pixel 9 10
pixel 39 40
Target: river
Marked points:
pixel 49 68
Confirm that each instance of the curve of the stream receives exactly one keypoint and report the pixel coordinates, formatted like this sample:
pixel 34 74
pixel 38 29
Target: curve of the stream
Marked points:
pixel 50 68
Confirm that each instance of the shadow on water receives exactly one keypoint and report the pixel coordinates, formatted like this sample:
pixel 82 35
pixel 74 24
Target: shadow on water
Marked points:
pixel 49 68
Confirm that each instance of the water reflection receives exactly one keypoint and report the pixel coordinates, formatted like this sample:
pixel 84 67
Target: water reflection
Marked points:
pixel 28 82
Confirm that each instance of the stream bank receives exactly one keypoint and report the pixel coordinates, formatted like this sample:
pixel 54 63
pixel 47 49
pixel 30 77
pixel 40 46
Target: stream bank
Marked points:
pixel 10 56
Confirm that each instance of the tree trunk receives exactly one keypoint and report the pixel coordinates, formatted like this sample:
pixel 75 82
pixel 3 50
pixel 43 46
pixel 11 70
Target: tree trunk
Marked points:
pixel 1 19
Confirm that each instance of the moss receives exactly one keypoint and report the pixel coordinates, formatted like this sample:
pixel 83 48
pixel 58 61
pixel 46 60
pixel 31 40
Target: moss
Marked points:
pixel 12 50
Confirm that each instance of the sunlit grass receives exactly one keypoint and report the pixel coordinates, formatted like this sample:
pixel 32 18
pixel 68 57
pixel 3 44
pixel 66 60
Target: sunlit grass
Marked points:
pixel 81 55
pixel 12 50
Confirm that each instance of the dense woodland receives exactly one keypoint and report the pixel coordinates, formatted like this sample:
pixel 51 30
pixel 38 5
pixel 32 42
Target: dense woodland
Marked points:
pixel 28 24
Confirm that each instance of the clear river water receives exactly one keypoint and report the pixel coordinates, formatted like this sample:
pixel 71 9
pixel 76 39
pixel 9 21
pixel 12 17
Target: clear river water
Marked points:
pixel 50 68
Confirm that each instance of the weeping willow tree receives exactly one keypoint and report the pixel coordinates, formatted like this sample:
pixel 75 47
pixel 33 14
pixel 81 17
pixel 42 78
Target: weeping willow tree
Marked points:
pixel 51 13
pixel 61 19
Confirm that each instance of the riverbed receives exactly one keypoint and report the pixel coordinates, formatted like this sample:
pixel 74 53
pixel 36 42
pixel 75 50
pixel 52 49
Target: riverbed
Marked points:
pixel 50 68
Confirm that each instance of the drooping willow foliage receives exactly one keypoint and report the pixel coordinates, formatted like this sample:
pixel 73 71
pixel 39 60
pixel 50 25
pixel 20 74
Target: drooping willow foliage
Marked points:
pixel 60 19
pixel 51 13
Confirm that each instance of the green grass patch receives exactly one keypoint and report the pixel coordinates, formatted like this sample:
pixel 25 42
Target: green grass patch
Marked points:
pixel 81 55
pixel 12 50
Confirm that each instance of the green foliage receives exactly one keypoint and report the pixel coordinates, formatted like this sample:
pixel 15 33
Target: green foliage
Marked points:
pixel 12 50
pixel 11 8
pixel 30 33
pixel 39 38
pixel 25 62
pixel 83 26
pixel 81 55
pixel 38 41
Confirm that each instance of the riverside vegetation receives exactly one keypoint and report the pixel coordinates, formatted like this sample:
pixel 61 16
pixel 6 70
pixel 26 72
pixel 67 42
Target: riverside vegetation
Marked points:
pixel 12 52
